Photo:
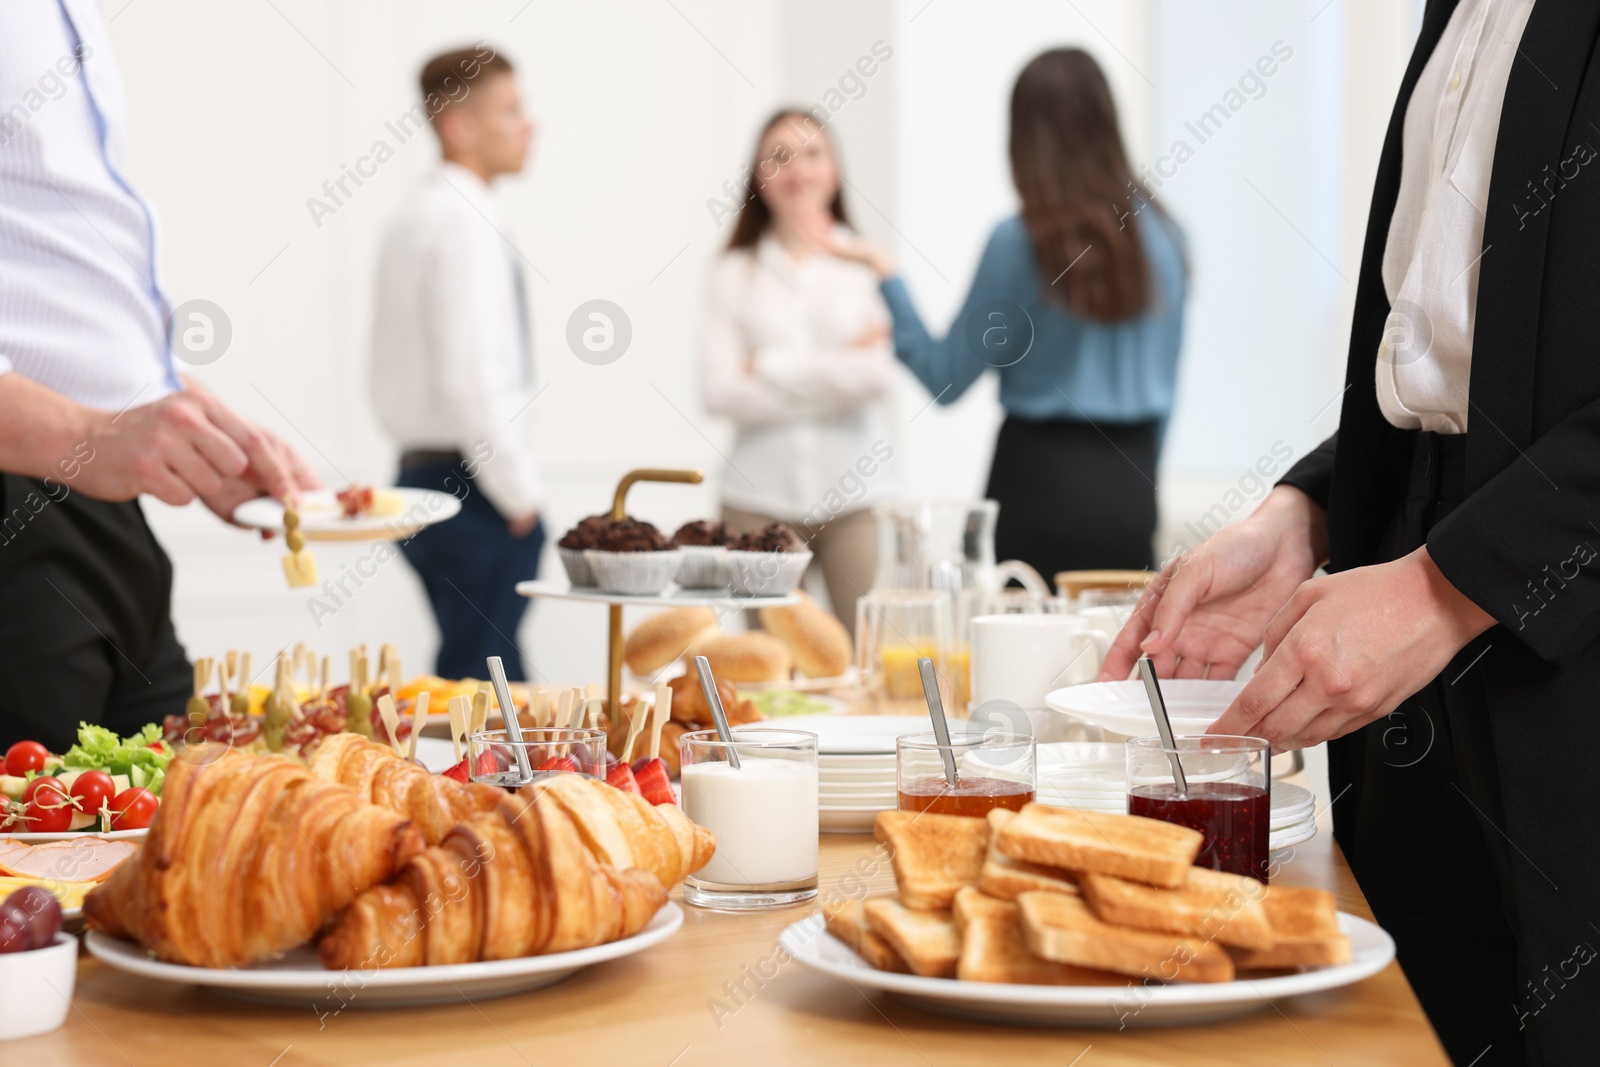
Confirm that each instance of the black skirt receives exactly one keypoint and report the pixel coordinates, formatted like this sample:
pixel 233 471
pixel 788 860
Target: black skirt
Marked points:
pixel 1075 495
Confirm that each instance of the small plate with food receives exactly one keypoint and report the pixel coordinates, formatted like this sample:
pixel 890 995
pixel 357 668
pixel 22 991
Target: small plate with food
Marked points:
pixel 105 787
pixel 357 513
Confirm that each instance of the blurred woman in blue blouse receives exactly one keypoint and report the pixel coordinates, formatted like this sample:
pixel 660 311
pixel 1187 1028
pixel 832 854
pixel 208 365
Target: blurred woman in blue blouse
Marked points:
pixel 1078 304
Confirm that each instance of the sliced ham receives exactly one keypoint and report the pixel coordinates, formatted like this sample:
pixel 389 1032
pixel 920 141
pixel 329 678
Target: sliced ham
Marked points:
pixel 87 859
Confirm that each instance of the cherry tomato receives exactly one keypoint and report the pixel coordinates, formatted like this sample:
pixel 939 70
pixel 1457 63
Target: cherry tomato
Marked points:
pixel 156 746
pixel 132 809
pixel 44 817
pixel 25 756
pixel 50 784
pixel 93 790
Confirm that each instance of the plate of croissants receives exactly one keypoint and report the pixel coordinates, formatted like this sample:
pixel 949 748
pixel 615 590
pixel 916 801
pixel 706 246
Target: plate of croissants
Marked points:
pixel 362 880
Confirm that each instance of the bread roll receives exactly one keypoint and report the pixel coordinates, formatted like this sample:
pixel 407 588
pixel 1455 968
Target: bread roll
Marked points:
pixel 662 638
pixel 819 642
pixel 751 657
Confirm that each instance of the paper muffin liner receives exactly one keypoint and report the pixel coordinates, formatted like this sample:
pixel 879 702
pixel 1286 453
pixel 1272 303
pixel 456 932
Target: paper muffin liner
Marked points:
pixel 766 573
pixel 703 566
pixel 633 573
pixel 579 573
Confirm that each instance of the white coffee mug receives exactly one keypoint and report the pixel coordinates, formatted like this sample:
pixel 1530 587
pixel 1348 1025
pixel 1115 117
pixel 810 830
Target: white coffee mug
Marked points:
pixel 1107 618
pixel 1020 658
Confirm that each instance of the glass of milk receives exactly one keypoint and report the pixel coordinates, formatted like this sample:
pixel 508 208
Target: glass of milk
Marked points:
pixel 763 813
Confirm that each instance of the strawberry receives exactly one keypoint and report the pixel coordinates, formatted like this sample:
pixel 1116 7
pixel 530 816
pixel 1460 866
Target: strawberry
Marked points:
pixel 654 784
pixel 486 766
pixel 621 776
pixel 559 763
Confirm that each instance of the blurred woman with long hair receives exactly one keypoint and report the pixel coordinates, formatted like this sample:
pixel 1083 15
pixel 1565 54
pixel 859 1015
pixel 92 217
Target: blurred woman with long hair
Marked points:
pixel 1078 304
pixel 796 354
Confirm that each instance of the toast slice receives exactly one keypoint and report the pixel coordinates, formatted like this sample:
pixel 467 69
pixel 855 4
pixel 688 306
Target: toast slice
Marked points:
pixel 1212 905
pixel 848 922
pixel 1305 931
pixel 993 948
pixel 927 940
pixel 934 855
pixel 1006 878
pixel 1063 928
pixel 1127 846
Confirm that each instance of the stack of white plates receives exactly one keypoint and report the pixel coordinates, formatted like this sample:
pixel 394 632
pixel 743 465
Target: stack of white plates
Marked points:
pixel 1094 777
pixel 1293 818
pixel 855 765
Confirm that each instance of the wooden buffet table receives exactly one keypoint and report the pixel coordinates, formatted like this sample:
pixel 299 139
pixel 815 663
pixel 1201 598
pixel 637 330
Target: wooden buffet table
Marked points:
pixel 659 1009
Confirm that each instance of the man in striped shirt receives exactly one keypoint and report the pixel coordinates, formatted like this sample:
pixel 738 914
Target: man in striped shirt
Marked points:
pixel 93 412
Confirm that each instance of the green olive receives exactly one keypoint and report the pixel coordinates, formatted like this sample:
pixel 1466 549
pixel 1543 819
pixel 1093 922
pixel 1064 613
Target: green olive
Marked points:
pixel 358 714
pixel 291 518
pixel 198 710
pixel 295 540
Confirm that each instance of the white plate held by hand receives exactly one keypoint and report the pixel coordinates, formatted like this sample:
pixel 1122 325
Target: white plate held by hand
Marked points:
pixel 1122 707
pixel 321 518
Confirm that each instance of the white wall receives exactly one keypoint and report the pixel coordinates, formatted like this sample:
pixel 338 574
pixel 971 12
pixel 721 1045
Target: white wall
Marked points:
pixel 240 113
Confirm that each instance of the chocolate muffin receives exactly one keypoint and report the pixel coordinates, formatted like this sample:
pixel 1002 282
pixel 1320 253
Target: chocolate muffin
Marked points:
pixel 631 535
pixel 773 537
pixel 586 533
pixel 702 533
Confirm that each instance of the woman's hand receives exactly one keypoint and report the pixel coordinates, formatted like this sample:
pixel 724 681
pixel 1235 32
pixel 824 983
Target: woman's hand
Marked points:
pixel 1209 608
pixel 1348 648
pixel 823 231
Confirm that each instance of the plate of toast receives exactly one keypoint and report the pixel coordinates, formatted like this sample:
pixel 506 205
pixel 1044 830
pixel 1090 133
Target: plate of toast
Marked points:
pixel 1054 917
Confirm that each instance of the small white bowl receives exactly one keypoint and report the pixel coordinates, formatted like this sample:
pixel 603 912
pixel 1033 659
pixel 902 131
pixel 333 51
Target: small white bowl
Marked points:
pixel 38 988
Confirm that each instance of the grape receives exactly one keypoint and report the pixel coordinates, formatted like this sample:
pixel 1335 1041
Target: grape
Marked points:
pixel 29 919
pixel 16 934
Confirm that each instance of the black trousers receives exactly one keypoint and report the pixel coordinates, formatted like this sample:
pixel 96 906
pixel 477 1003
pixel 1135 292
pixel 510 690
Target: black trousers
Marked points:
pixel 1497 955
pixel 469 567
pixel 1075 495
pixel 84 629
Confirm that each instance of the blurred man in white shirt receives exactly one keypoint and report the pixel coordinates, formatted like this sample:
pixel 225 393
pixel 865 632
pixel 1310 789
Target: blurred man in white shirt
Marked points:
pixel 452 363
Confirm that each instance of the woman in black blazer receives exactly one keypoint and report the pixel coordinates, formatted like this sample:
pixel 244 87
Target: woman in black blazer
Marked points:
pixel 1453 654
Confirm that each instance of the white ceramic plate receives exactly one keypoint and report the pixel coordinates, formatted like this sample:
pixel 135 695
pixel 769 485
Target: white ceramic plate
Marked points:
pixel 322 520
pixel 1292 836
pixel 842 807
pixel 847 822
pixel 857 735
pixel 1108 1007
pixel 670 597
pixel 1122 708
pixel 856 789
pixel 73 835
pixel 298 979
pixel 846 680
pixel 437 754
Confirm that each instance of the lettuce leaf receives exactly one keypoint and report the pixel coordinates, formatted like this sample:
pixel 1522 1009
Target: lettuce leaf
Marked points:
pixel 101 749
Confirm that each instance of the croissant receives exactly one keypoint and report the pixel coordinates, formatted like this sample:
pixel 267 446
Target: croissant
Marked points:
pixel 526 878
pixel 434 802
pixel 247 857
pixel 625 830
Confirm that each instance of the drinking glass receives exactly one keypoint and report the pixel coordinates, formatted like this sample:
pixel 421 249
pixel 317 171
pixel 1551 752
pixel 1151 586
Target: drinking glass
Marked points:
pixel 763 814
pixel 1228 797
pixel 546 750
pixel 994 769
pixel 896 627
